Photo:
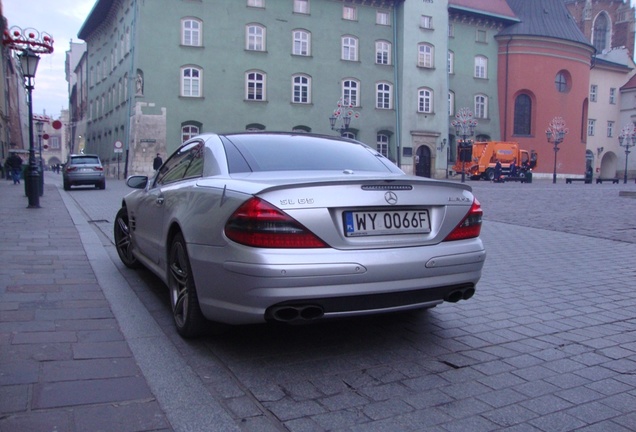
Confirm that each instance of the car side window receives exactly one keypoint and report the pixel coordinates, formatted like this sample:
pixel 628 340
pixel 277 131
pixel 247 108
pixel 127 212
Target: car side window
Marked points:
pixel 187 162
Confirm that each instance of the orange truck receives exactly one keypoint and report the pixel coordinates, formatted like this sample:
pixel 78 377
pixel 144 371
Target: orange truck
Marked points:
pixel 485 155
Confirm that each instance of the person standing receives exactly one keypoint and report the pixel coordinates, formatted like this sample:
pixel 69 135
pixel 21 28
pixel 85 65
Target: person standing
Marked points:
pixel 15 166
pixel 157 162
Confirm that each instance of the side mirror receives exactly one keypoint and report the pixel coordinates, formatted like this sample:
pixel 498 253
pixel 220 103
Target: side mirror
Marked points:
pixel 137 181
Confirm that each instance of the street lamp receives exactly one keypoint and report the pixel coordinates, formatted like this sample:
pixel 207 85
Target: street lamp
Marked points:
pixel 341 117
pixel 441 149
pixel 555 133
pixel 29 43
pixel 464 125
pixel 627 139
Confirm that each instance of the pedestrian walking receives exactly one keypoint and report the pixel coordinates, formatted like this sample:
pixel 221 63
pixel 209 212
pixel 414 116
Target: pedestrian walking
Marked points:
pixel 157 162
pixel 15 166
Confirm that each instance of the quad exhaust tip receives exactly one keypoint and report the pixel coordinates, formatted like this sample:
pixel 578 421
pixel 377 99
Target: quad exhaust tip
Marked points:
pixel 294 313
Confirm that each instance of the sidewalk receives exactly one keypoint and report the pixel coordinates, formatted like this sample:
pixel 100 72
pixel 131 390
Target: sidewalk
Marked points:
pixel 64 362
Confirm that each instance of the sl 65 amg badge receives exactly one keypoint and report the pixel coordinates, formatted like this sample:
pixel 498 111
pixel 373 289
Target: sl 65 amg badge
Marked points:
pixel 458 199
pixel 300 201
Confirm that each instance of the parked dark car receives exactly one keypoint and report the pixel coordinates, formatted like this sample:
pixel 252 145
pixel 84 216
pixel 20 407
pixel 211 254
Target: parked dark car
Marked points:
pixel 257 227
pixel 83 170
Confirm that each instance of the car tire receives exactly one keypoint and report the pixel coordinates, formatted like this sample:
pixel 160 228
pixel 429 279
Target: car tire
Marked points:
pixel 490 174
pixel 186 312
pixel 123 239
pixel 102 185
pixel 67 185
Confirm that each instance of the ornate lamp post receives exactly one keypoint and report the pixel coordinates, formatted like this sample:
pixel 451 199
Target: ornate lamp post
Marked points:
pixel 341 117
pixel 555 133
pixel 38 127
pixel 464 125
pixel 29 42
pixel 627 139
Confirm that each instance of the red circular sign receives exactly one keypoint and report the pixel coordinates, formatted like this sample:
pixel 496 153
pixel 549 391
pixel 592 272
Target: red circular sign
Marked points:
pixel 57 124
pixel 45 136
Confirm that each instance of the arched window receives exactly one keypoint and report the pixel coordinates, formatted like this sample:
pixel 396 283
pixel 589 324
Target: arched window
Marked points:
pixel 301 42
pixel 425 100
pixel 383 96
pixel 301 89
pixel 189 131
pixel 191 81
pixel 481 106
pixel 191 32
pixel 349 48
pixel 255 86
pixel 350 92
pixel 255 37
pixel 425 55
pixel 382 52
pixel 523 115
pixel 481 67
pixel 601 32
pixel 382 144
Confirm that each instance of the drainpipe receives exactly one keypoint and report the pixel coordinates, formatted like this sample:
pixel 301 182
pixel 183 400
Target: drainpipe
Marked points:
pixel 396 93
pixel 505 137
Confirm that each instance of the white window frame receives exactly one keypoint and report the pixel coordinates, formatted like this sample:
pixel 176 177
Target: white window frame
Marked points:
pixel 191 36
pixel 383 52
pixel 255 86
pixel 481 67
pixel 451 103
pixel 382 144
pixel 349 51
pixel 382 17
pixel 425 55
pixel 191 86
pixel 481 36
pixel 256 3
pixel 301 89
pixel 189 131
pixel 384 95
pixel 425 100
pixel 426 22
pixel 481 106
pixel 349 13
pixel 301 6
pixel 450 60
pixel 610 129
pixel 351 92
pixel 593 92
pixel 591 127
pixel 612 96
pixel 255 37
pixel 301 42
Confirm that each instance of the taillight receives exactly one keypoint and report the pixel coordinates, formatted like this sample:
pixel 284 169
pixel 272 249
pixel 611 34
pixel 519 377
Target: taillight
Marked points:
pixel 470 226
pixel 69 169
pixel 259 224
pixel 99 168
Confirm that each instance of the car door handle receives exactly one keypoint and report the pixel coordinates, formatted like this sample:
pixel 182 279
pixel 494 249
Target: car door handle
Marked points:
pixel 160 200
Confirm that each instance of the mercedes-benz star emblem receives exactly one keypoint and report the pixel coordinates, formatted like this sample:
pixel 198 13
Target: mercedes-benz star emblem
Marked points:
pixel 391 198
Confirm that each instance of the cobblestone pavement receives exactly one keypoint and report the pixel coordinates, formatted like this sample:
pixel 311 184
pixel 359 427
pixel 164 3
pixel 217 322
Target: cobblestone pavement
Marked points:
pixel 548 343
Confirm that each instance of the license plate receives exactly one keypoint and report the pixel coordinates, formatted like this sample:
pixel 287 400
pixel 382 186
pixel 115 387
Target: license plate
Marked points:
pixel 369 223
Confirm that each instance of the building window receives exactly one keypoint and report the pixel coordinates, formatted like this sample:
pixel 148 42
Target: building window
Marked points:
pixel 301 89
pixel 451 103
pixel 349 134
pixel 522 115
pixel 591 125
pixel 255 86
pixel 256 3
pixel 481 106
pixel 612 96
pixel 426 22
pixel 610 129
pixel 301 43
pixel 480 36
pixel 349 48
pixel 593 92
pixel 451 30
pixel 191 82
pixel 481 67
pixel 425 100
pixel 600 34
pixel 349 13
pixel 425 55
pixel 301 6
pixel 191 32
pixel 382 143
pixel 188 132
pixel 451 62
pixel 382 18
pixel 255 37
pixel 350 92
pixel 383 96
pixel 382 52
pixel 561 82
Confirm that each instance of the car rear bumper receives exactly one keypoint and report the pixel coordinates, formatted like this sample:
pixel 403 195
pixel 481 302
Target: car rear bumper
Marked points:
pixel 339 283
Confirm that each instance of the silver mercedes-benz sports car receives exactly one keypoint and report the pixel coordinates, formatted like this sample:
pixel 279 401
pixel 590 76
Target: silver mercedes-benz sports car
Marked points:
pixel 260 227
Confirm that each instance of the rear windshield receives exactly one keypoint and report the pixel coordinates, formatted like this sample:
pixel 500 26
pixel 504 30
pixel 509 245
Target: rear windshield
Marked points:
pixel 303 153
pixel 85 160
